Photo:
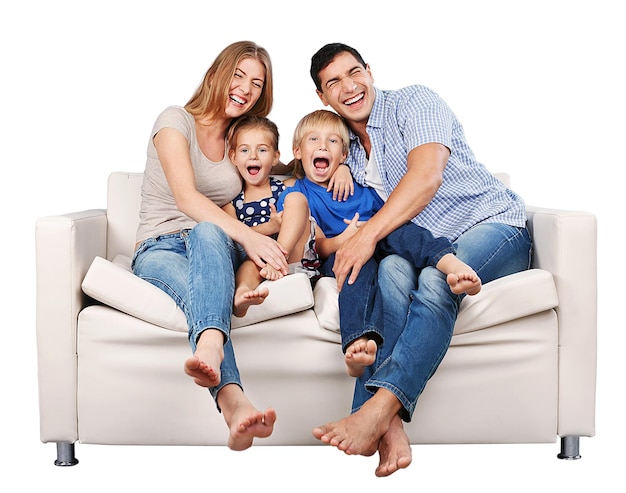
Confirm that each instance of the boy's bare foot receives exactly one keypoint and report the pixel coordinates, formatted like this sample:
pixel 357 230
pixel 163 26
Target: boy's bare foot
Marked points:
pixel 360 433
pixel 245 298
pixel 359 354
pixel 464 282
pixel 268 272
pixel 204 365
pixel 244 421
pixel 394 449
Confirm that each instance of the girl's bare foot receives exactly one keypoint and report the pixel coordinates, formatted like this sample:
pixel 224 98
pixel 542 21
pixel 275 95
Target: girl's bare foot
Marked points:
pixel 204 365
pixel 359 354
pixel 268 272
pixel 244 421
pixel 464 282
pixel 245 298
pixel 394 449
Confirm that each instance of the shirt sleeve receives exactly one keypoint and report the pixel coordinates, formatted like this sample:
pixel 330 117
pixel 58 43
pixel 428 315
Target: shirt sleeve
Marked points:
pixel 425 118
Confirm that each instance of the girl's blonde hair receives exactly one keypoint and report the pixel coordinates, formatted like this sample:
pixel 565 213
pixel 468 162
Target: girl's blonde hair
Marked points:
pixel 210 97
pixel 252 122
pixel 313 122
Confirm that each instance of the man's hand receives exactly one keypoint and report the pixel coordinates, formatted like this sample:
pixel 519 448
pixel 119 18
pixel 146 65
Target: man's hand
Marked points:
pixel 352 255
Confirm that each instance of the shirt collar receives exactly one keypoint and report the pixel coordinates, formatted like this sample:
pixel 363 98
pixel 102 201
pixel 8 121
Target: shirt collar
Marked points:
pixel 377 115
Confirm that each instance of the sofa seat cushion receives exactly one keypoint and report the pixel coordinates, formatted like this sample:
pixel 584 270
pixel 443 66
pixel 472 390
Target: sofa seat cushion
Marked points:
pixel 505 299
pixel 114 284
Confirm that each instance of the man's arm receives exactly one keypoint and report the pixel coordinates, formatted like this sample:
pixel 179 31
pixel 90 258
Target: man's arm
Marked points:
pixel 425 165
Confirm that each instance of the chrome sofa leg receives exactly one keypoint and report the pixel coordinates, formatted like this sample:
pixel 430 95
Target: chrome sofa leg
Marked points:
pixel 65 454
pixel 569 448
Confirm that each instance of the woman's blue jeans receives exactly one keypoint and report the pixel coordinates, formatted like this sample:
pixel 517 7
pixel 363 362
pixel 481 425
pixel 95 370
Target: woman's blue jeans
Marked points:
pixel 196 267
pixel 419 311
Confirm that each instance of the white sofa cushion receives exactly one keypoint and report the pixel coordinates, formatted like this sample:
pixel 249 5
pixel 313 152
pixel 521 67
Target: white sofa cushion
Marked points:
pixel 114 284
pixel 508 298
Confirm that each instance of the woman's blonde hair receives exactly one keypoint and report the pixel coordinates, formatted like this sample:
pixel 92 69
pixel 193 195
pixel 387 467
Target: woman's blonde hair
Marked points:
pixel 312 122
pixel 210 97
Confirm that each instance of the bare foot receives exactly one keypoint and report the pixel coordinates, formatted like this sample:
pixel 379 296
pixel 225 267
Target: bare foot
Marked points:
pixel 464 282
pixel 394 449
pixel 359 433
pixel 244 421
pixel 245 298
pixel 268 272
pixel 359 354
pixel 204 365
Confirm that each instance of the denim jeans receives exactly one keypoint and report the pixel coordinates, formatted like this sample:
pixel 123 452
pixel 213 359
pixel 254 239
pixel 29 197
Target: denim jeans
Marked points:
pixel 360 310
pixel 196 267
pixel 420 310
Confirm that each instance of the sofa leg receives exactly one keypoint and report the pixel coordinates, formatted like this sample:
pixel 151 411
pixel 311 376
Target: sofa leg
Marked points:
pixel 569 448
pixel 65 454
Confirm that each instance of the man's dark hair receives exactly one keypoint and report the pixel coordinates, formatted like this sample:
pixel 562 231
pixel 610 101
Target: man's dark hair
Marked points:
pixel 325 55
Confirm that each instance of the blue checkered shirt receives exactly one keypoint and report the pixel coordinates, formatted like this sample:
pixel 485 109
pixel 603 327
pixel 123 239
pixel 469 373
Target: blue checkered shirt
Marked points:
pixel 469 194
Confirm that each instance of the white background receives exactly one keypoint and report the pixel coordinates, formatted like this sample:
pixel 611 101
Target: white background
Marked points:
pixel 538 86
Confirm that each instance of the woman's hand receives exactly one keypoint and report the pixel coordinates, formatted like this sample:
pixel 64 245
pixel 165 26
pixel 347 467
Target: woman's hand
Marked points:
pixel 341 183
pixel 264 250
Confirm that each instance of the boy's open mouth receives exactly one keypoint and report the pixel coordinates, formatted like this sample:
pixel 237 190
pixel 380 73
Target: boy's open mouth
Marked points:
pixel 321 163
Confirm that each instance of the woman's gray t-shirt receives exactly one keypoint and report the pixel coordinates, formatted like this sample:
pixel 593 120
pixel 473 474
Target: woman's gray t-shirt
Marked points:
pixel 219 181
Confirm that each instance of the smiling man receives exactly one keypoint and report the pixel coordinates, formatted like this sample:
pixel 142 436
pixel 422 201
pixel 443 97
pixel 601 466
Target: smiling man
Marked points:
pixel 408 145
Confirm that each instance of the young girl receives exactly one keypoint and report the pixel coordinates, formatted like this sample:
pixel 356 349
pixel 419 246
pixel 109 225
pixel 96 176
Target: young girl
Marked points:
pixel 320 145
pixel 187 245
pixel 253 149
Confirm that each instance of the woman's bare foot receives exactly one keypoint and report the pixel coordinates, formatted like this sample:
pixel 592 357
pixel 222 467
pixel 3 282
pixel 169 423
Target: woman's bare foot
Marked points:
pixel 245 298
pixel 464 282
pixel 245 422
pixel 360 433
pixel 394 449
pixel 204 365
pixel 360 354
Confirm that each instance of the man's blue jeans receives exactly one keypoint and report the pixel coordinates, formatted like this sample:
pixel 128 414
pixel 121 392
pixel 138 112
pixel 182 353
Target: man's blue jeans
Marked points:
pixel 419 311
pixel 196 267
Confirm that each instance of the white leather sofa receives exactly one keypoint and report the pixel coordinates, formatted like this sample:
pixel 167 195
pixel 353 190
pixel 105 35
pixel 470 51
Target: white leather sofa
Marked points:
pixel 521 367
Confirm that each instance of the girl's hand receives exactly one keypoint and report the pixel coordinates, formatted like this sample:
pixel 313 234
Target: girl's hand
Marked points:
pixel 341 183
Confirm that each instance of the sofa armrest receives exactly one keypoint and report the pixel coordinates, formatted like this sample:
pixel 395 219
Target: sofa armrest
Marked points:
pixel 65 246
pixel 565 243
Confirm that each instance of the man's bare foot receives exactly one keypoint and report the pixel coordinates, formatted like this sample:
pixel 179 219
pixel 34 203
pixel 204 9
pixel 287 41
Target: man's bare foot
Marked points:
pixel 359 354
pixel 268 272
pixel 464 282
pixel 204 365
pixel 245 422
pixel 245 298
pixel 359 433
pixel 394 449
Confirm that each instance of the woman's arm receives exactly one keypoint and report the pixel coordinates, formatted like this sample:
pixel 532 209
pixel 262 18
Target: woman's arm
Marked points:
pixel 173 151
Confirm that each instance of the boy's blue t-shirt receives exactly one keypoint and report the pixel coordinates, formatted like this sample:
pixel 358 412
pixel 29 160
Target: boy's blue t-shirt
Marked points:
pixel 328 213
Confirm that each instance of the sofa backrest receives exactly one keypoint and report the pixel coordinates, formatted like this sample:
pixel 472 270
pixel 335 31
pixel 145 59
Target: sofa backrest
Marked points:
pixel 123 201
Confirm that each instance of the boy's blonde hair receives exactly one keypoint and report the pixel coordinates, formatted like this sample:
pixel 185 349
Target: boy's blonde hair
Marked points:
pixel 312 122
pixel 253 122
pixel 210 97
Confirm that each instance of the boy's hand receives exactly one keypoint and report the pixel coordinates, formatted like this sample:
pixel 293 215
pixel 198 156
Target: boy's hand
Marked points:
pixel 341 183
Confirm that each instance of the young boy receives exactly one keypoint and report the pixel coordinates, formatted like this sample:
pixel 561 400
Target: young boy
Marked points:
pixel 253 149
pixel 320 145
